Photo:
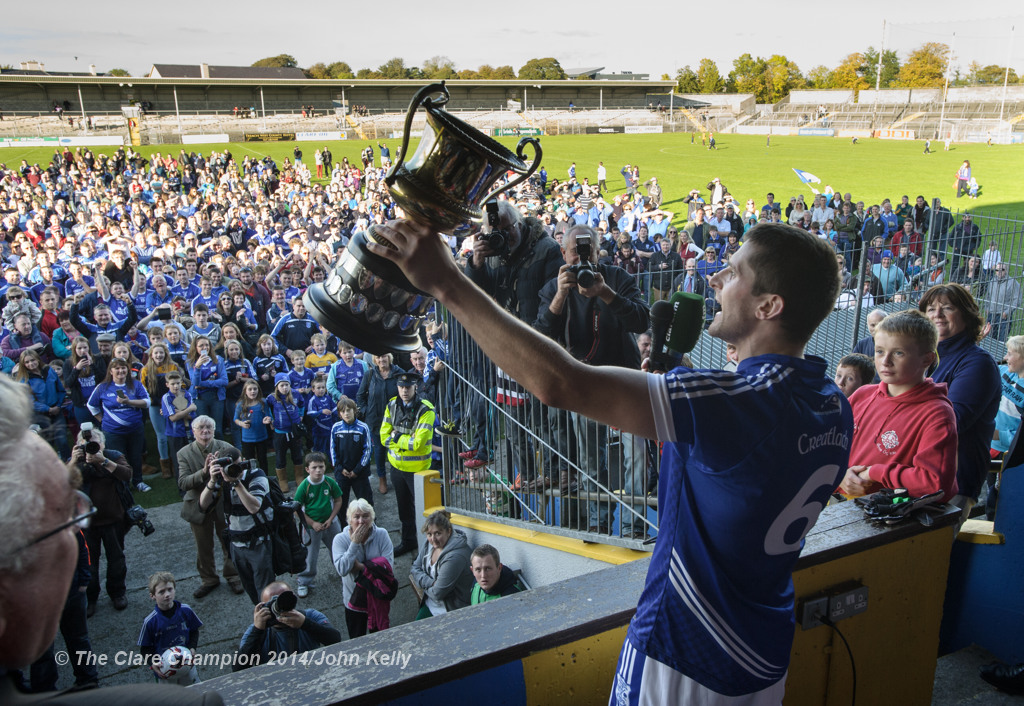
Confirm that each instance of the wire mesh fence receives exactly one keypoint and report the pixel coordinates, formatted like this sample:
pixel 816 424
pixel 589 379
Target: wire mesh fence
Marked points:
pixel 517 461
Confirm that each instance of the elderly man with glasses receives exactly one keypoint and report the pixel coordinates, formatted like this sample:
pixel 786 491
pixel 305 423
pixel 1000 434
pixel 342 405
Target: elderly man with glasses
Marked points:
pixel 194 463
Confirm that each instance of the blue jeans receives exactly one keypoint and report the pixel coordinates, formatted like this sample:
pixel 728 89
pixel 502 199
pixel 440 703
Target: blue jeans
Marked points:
pixel 634 471
pixel 160 429
pixel 132 445
pixel 208 404
pixel 592 454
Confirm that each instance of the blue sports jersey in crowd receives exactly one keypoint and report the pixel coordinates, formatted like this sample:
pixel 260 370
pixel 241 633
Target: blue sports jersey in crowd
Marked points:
pixel 320 423
pixel 300 381
pixel 177 429
pixel 118 418
pixel 754 457
pixel 162 632
pixel 350 447
pixel 346 379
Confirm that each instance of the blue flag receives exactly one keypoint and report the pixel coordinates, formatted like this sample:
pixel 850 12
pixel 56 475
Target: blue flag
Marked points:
pixel 806 177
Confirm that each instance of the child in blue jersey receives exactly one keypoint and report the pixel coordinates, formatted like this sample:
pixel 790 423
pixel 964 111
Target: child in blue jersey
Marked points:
pixel 252 416
pixel 177 408
pixel 321 415
pixel 301 378
pixel 238 370
pixel 287 420
pixel 347 374
pixel 350 453
pixel 171 624
pixel 268 363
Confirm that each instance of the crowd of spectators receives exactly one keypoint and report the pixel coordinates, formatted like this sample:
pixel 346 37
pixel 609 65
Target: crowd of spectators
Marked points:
pixel 141 293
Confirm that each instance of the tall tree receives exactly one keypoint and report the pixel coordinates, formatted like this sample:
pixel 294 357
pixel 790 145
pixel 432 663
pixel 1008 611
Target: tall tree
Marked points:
pixel 546 69
pixel 850 73
pixel 819 77
pixel 317 71
pixel 748 76
pixel 991 75
pixel 708 77
pixel 118 72
pixel 502 73
pixel 890 67
pixel 367 73
pixel 339 69
pixel 394 68
pixel 925 67
pixel 439 67
pixel 285 61
pixel 782 76
pixel 686 80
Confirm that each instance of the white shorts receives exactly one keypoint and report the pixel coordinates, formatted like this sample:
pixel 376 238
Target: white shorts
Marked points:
pixel 642 681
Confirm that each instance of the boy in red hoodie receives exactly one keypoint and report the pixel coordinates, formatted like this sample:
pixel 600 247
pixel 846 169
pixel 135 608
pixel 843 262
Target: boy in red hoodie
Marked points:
pixel 904 433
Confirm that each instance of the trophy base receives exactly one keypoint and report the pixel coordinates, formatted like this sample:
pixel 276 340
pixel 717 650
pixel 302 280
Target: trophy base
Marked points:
pixel 368 302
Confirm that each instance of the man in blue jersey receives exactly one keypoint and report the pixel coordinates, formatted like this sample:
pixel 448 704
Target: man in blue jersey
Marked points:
pixel 715 620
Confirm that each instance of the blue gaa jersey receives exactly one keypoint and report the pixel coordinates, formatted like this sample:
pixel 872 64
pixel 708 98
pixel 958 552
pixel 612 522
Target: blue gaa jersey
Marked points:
pixel 161 632
pixel 754 455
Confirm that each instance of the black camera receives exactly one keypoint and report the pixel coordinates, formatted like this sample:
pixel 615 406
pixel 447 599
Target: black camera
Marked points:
pixel 232 468
pixel 281 604
pixel 492 234
pixel 90 447
pixel 163 314
pixel 138 516
pixel 584 269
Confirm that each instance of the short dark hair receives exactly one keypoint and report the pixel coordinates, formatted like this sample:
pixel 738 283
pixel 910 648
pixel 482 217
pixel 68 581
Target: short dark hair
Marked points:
pixel 863 364
pixel 961 298
pixel 800 268
pixel 314 457
pixel 486 550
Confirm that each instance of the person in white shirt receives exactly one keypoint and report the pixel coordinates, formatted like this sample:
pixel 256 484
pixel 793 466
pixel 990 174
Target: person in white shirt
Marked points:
pixel 990 258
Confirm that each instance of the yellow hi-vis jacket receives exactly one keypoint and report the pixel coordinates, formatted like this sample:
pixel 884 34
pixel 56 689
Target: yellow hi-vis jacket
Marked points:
pixel 407 432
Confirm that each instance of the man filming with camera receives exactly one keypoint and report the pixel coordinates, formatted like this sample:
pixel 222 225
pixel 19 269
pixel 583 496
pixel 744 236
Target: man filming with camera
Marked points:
pixel 105 475
pixel 278 628
pixel 244 492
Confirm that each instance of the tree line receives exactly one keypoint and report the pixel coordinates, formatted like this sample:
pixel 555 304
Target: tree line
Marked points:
pixel 773 78
pixel 436 67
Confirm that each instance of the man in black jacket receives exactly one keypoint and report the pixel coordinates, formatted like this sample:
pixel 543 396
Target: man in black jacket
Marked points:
pixel 596 325
pixel 513 275
pixel 278 629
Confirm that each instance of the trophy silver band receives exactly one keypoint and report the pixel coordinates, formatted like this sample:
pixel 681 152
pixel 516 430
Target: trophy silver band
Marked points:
pixel 367 300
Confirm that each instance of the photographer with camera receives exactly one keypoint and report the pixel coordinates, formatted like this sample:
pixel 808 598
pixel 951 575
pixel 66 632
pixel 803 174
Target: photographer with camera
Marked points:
pixel 513 257
pixel 279 629
pixel 244 492
pixel 105 476
pixel 593 311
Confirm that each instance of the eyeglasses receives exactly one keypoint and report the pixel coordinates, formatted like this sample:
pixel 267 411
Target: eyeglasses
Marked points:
pixel 15 297
pixel 81 516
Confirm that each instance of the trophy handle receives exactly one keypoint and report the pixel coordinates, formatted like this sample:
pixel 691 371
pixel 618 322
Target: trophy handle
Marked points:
pixel 420 97
pixel 537 153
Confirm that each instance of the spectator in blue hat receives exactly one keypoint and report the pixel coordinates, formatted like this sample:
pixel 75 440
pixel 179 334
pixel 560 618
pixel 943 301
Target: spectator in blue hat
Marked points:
pixel 890 278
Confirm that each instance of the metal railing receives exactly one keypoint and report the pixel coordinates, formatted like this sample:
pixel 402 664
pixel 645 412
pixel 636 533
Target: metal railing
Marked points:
pixel 601 483
pixel 546 468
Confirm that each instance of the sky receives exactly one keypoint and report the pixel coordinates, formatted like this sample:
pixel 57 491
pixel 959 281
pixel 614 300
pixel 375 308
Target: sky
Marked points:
pixel 655 37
